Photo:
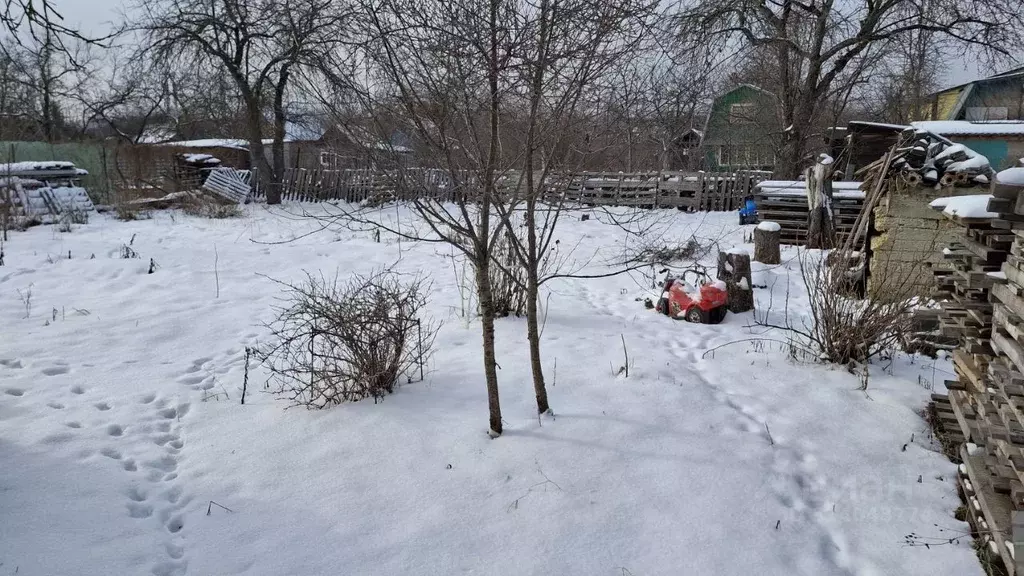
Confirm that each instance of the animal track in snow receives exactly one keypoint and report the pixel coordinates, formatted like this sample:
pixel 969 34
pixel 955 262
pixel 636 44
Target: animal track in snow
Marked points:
pixel 55 370
pixel 55 405
pixel 73 424
pixel 139 510
pixel 14 392
pixel 102 406
pixel 175 524
pixel 77 390
pixel 147 398
pixel 174 551
pixel 11 363
pixel 115 430
pixel 170 568
pixel 135 494
pixel 111 453
pixel 129 465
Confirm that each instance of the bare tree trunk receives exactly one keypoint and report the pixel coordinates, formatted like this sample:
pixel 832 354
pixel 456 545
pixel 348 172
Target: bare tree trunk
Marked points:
pixel 270 181
pixel 277 146
pixel 483 286
pixel 483 252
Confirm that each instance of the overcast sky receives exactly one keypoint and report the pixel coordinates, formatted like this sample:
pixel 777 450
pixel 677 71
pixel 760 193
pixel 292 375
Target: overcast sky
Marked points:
pixel 96 15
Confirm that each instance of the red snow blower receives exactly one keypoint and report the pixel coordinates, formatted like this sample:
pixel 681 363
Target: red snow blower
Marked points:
pixel 703 301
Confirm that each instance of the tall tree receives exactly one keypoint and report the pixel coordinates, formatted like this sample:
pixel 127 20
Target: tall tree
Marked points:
pixel 258 44
pixel 816 42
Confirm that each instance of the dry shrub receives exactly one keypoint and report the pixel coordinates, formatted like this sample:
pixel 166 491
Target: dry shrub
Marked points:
pixel 335 342
pixel 508 278
pixel 205 206
pixel 842 329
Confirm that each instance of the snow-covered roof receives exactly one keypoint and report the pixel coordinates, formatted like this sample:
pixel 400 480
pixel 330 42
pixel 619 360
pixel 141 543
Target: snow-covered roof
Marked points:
pixel 965 128
pixel 157 135
pixel 877 125
pixel 974 206
pixel 200 158
pixel 237 143
pixel 41 168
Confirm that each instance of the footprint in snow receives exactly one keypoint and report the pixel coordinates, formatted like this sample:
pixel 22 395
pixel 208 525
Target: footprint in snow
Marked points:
pixel 10 363
pixel 55 370
pixel 77 390
pixel 115 430
pixel 14 392
pixel 138 510
pixel 102 406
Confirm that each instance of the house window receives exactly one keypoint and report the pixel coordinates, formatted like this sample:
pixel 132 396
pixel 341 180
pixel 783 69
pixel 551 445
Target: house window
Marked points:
pixel 742 113
pixel 982 113
pixel 745 156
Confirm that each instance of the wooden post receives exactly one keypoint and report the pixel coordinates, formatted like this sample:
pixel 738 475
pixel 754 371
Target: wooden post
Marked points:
pixel 767 237
pixel 1017 534
pixel 734 270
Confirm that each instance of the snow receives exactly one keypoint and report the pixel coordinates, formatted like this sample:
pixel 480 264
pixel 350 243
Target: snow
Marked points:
pixel 800 185
pixel 236 143
pixel 43 166
pixel 200 158
pixel 965 128
pixel 738 250
pixel 974 206
pixel 1011 177
pixel 825 159
pixel 120 424
pixel 768 226
pixel 998 275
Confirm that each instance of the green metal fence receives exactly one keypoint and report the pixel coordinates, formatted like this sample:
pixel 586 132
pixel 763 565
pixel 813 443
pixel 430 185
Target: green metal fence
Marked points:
pixel 92 156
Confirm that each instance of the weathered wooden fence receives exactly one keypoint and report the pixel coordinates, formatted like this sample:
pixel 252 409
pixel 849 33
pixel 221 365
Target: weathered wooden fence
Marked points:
pixel 704 191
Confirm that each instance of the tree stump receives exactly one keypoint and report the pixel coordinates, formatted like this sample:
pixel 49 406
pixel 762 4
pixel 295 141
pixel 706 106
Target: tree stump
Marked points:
pixel 734 270
pixel 767 237
pixel 820 227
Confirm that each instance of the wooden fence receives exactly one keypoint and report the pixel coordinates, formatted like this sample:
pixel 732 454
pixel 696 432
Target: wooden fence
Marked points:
pixel 702 191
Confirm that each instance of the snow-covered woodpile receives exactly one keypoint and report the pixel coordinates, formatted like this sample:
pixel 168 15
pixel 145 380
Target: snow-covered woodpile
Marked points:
pixel 785 202
pixel 985 311
pixel 42 192
pixel 925 159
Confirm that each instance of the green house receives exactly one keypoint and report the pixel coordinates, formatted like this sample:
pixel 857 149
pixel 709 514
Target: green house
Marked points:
pixel 986 115
pixel 742 131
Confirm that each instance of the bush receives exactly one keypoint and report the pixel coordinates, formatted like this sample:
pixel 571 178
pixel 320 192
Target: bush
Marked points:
pixel 508 278
pixel 843 329
pixel 337 342
pixel 204 206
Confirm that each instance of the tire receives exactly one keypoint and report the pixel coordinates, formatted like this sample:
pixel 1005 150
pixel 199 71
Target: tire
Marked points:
pixel 696 315
pixel 717 315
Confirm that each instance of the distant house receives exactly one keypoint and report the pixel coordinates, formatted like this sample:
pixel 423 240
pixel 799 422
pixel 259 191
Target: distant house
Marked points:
pixel 1002 142
pixel 999 97
pixel 987 115
pixel 742 130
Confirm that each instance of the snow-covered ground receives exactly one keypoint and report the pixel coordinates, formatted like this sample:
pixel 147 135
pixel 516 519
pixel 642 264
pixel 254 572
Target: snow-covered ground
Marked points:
pixel 120 423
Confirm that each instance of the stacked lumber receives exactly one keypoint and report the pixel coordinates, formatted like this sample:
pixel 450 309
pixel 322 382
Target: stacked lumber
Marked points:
pixel 785 202
pixel 972 273
pixel 985 308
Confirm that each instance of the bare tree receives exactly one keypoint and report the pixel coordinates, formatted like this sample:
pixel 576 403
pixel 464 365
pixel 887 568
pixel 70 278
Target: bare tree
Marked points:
pixel 258 44
pixel 568 46
pixel 816 42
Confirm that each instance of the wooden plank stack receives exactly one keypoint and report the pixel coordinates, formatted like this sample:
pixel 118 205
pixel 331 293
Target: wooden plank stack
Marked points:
pixel 785 202
pixel 985 308
pixel 970 273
